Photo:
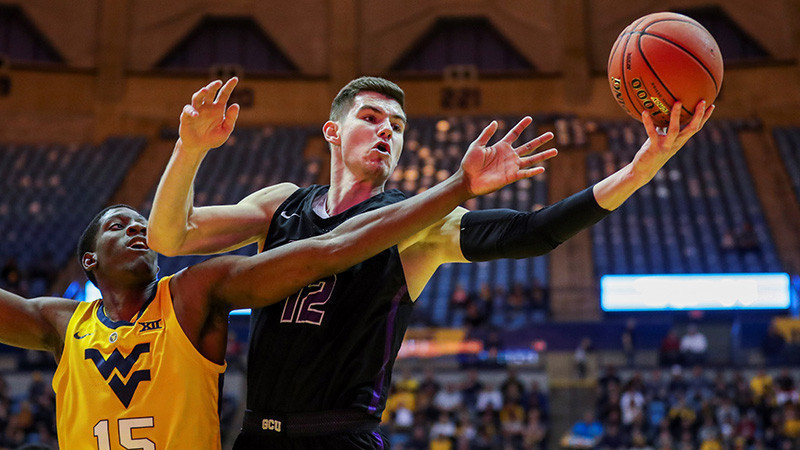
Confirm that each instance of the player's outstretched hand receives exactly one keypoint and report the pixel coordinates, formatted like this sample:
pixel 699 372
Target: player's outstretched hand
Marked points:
pixel 207 122
pixel 488 169
pixel 663 143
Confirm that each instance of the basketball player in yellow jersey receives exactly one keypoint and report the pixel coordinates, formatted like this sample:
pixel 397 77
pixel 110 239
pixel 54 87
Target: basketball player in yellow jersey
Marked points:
pixel 139 369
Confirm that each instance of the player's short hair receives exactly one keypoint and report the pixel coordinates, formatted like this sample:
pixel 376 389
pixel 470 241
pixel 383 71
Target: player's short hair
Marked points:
pixel 344 99
pixel 88 239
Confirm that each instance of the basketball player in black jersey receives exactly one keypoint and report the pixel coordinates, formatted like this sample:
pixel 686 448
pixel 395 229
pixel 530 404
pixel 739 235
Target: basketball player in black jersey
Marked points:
pixel 321 361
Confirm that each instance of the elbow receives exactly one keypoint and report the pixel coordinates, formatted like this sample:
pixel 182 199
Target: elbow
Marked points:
pixel 546 248
pixel 161 246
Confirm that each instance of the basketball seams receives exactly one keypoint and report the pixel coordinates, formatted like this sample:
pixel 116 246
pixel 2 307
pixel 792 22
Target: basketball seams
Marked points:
pixel 616 46
pixel 685 50
pixel 697 25
pixel 613 51
pixel 631 101
pixel 655 74
pixel 676 19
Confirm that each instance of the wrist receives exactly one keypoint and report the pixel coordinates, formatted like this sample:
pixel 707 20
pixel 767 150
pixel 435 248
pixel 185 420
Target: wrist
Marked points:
pixel 460 186
pixel 195 150
pixel 637 176
pixel 613 190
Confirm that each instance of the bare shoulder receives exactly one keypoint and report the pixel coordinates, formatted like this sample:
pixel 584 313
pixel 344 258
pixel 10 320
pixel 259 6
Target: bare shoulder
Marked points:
pixel 268 199
pixel 441 232
pixel 56 307
pixel 57 312
pixel 195 284
pixel 427 250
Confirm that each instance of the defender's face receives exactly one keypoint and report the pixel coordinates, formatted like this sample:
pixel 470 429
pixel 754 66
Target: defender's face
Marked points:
pixel 371 136
pixel 121 249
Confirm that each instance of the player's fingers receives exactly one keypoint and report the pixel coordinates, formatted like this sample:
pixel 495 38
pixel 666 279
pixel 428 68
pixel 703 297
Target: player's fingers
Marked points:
pixel 528 161
pixel 231 115
pixel 212 89
pixel 199 98
pixel 188 111
pixel 697 119
pixel 675 120
pixel 486 134
pixel 707 115
pixel 527 173
pixel 514 132
pixel 225 92
pixel 533 144
pixel 206 95
pixel 650 126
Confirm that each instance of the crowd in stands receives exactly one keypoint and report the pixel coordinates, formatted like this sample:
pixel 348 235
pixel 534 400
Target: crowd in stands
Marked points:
pixel 29 420
pixel 691 409
pixel 36 281
pixel 688 350
pixel 498 306
pixel 471 413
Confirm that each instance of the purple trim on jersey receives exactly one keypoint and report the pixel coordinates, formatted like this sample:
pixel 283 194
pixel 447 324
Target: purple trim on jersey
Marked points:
pixel 378 438
pixel 387 350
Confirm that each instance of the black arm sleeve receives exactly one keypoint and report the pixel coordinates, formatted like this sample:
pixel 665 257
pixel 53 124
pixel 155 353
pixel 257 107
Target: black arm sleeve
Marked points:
pixel 505 233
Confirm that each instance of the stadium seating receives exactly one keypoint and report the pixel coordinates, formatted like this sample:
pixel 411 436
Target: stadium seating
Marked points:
pixel 679 222
pixel 788 142
pixel 50 190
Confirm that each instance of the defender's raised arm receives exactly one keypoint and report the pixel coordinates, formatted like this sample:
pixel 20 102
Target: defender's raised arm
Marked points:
pixel 176 225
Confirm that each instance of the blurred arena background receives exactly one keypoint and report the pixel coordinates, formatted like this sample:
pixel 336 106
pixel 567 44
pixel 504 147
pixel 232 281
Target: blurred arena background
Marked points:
pixel 505 354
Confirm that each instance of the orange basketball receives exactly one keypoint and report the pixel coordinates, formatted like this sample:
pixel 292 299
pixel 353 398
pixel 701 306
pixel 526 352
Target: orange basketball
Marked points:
pixel 661 58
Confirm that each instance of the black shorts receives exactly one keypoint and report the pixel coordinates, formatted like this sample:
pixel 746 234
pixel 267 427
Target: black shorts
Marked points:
pixel 375 440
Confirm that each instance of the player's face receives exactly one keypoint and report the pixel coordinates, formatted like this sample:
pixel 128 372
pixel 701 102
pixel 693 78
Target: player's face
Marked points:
pixel 372 136
pixel 121 249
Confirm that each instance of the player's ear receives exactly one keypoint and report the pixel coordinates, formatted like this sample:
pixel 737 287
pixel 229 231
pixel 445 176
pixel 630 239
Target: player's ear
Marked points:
pixel 331 132
pixel 89 261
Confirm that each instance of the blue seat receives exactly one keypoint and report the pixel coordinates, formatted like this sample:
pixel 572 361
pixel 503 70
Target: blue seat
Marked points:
pixel 676 223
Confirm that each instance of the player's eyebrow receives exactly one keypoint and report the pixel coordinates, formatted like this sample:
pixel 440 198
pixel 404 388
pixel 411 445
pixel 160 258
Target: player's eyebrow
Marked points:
pixel 377 110
pixel 118 214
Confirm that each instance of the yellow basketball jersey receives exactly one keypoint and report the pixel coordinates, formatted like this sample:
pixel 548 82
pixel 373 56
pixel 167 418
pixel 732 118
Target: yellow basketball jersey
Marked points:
pixel 139 385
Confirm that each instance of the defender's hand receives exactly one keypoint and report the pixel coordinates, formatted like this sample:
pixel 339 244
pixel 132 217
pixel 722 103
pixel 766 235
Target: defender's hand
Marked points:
pixel 487 169
pixel 206 123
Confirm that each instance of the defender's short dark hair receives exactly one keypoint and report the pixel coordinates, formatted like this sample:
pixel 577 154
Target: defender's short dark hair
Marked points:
pixel 344 99
pixel 89 237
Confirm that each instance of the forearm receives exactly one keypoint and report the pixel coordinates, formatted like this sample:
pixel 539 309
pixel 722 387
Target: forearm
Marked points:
pixel 367 234
pixel 173 202
pixel 494 234
pixel 22 323
pixel 612 191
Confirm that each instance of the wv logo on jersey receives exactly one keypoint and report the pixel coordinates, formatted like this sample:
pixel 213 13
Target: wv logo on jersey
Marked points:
pixel 123 364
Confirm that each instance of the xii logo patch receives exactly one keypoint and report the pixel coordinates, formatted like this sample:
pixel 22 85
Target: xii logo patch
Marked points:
pixel 123 364
pixel 150 326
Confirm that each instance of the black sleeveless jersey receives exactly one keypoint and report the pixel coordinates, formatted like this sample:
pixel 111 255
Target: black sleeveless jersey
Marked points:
pixel 333 344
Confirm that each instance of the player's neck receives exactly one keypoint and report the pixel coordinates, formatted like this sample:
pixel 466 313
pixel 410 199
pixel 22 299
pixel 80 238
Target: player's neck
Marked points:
pixel 346 192
pixel 124 302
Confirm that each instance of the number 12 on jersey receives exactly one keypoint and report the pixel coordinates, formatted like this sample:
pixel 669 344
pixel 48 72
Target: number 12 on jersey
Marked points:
pixel 126 440
pixel 303 307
